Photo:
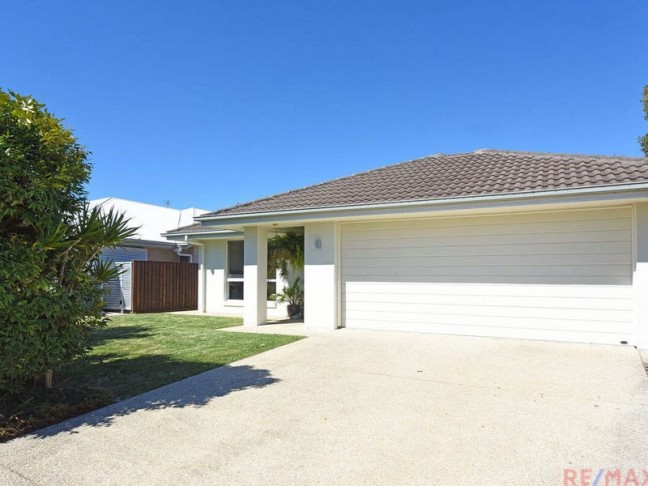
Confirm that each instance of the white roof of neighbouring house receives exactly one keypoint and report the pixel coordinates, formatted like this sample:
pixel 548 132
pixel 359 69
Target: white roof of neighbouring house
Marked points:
pixel 153 220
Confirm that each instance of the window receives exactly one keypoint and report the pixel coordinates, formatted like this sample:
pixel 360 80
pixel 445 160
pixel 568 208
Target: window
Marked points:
pixel 235 270
pixel 272 279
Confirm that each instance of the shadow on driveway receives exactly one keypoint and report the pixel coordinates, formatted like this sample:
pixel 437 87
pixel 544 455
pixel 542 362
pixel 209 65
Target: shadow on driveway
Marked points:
pixel 194 391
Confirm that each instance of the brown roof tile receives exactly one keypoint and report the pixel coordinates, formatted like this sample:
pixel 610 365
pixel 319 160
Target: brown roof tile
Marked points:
pixel 483 172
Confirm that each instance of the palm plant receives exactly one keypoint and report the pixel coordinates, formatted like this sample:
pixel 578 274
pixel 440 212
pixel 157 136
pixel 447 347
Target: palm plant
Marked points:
pixel 293 295
pixel 287 249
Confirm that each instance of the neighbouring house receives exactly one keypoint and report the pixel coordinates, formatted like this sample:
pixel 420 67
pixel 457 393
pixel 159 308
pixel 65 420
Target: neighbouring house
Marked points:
pixel 487 243
pixel 146 245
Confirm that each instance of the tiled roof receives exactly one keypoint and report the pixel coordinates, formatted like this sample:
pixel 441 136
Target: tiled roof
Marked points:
pixel 479 173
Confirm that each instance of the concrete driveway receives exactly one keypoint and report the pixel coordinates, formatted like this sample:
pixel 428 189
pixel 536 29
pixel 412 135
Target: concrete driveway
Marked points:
pixel 355 407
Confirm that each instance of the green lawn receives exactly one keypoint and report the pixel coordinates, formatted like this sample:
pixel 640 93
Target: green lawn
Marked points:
pixel 134 354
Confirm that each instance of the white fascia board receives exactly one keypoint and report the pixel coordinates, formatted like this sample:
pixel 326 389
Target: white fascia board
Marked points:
pixel 583 195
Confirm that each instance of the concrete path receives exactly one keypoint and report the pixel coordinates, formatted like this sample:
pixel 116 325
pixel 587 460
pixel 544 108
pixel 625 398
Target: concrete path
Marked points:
pixel 352 407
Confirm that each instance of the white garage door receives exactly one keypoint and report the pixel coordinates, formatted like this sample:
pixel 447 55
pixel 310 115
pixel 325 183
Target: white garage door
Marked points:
pixel 562 275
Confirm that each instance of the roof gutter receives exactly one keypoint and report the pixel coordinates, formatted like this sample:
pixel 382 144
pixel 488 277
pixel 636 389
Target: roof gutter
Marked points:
pixel 223 233
pixel 435 202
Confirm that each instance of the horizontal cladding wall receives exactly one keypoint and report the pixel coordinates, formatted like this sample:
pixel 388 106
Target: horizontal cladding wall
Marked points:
pixel 118 296
pixel 118 290
pixel 551 275
pixel 124 254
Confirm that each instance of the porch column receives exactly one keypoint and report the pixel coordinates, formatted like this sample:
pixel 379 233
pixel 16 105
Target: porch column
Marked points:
pixel 320 275
pixel 255 275
pixel 640 277
pixel 200 260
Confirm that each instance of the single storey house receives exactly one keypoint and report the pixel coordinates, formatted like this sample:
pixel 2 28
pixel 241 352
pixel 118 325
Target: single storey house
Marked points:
pixel 487 243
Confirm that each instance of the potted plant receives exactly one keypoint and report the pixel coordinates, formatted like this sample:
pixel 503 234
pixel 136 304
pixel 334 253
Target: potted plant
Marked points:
pixel 286 250
pixel 293 295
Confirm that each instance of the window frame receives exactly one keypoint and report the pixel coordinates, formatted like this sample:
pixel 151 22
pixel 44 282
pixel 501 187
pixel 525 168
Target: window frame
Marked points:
pixel 272 304
pixel 233 279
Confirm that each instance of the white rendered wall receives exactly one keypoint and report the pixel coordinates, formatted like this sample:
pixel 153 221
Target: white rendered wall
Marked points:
pixel 199 252
pixel 255 271
pixel 320 277
pixel 215 265
pixel 215 291
pixel 640 277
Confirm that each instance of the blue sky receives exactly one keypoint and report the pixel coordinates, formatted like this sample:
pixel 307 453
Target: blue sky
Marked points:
pixel 209 103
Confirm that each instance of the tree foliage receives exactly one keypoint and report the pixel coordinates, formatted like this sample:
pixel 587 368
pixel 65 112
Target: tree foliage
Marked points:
pixel 643 141
pixel 50 241
pixel 286 249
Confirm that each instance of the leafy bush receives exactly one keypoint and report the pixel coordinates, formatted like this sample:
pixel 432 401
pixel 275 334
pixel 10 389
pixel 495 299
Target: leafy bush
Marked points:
pixel 50 241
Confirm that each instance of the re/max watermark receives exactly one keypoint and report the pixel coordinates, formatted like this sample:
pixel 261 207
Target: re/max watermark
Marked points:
pixel 606 477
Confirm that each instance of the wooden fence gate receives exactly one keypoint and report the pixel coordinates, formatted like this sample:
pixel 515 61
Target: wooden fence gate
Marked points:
pixel 164 286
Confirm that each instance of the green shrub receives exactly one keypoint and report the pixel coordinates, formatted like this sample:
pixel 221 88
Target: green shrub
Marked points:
pixel 50 241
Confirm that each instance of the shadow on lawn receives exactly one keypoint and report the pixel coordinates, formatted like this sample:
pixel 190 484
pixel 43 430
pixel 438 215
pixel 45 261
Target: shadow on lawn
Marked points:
pixel 122 332
pixel 194 391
